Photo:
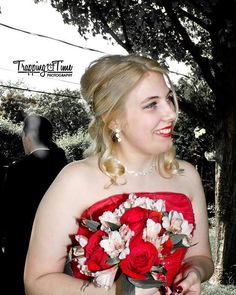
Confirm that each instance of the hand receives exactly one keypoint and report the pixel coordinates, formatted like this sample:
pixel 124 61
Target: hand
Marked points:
pixel 188 283
pixel 151 291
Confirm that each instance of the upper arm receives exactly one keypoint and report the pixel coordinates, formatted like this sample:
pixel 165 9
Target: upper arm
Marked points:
pixel 200 238
pixel 55 220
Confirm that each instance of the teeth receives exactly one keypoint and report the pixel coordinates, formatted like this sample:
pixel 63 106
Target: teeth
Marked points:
pixel 164 131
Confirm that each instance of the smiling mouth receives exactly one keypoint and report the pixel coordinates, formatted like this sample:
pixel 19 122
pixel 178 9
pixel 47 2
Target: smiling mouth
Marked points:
pixel 165 132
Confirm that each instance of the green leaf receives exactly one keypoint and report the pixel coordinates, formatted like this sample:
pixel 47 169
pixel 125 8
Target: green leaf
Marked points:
pixel 177 238
pixel 113 226
pixel 179 245
pixel 146 284
pixel 159 268
pixel 112 261
pixel 91 224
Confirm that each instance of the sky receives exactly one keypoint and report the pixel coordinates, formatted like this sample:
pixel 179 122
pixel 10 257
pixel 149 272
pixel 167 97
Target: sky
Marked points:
pixel 32 50
pixel 43 19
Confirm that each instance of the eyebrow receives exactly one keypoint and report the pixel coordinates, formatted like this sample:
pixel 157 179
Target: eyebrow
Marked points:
pixel 156 96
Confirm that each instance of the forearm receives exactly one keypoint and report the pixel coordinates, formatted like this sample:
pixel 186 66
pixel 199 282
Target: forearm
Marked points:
pixel 61 284
pixel 202 265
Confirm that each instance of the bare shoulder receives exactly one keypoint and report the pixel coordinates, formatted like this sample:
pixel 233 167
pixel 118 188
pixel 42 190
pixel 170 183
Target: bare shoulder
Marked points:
pixel 188 169
pixel 191 178
pixel 78 170
pixel 72 184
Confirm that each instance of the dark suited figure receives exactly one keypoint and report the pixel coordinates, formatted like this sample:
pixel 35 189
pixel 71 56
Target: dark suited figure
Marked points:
pixel 26 182
pixel 3 169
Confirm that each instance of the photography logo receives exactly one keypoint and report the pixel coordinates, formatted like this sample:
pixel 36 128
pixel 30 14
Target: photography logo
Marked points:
pixel 55 68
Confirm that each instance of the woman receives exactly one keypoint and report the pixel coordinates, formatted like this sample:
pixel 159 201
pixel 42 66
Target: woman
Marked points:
pixel 134 110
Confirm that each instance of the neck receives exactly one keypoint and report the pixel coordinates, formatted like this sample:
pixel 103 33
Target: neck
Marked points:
pixel 40 147
pixel 137 167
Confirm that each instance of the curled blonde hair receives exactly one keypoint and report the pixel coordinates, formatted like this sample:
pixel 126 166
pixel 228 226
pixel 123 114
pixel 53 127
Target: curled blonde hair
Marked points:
pixel 105 86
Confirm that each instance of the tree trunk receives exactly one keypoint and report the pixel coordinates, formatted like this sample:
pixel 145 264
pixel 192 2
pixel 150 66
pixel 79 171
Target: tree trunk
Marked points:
pixel 225 256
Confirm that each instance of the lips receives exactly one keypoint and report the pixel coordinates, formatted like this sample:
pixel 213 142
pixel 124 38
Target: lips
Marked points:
pixel 164 132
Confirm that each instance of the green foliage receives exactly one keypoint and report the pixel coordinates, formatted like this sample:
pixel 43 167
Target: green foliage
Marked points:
pixel 11 145
pixel 73 145
pixel 197 113
pixel 208 289
pixel 67 113
pixel 14 103
pixel 65 109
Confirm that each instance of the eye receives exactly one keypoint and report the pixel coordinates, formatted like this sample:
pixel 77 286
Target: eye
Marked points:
pixel 170 98
pixel 151 105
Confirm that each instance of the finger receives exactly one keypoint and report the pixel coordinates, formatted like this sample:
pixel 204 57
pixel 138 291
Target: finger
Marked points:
pixel 185 285
pixel 168 291
pixel 178 279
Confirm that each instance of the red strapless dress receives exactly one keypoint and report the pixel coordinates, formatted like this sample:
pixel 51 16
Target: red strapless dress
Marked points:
pixel 173 201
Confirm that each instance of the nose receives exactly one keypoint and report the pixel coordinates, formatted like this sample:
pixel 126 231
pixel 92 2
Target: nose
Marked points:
pixel 169 112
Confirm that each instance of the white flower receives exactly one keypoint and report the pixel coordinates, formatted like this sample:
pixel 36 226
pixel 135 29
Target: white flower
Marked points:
pixel 112 245
pixel 78 251
pixel 105 278
pixel 117 243
pixel 143 202
pixel 126 234
pixel 173 222
pixel 199 132
pixel 159 206
pixel 150 233
pixel 82 240
pixel 152 230
pixel 149 203
pixel 132 197
pixel 140 202
pixel 186 228
pixel 176 223
pixel 106 217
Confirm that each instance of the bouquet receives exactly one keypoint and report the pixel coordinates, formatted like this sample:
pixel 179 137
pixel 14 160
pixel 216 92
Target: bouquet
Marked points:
pixel 135 239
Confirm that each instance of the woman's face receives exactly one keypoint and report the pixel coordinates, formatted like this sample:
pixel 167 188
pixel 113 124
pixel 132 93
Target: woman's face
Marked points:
pixel 149 116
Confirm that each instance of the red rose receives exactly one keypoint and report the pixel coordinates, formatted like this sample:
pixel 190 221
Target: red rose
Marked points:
pixel 140 260
pixel 95 254
pixel 97 261
pixel 167 247
pixel 135 218
pixel 155 216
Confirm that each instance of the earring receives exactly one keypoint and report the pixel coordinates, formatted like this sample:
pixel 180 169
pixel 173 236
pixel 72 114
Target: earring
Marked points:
pixel 117 135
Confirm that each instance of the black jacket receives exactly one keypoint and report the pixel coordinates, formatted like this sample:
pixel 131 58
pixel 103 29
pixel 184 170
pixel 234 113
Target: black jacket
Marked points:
pixel 26 182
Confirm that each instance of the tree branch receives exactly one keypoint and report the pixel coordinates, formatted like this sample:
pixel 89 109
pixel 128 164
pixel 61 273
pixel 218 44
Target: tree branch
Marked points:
pixel 96 10
pixel 188 107
pixel 194 19
pixel 122 19
pixel 199 7
pixel 190 46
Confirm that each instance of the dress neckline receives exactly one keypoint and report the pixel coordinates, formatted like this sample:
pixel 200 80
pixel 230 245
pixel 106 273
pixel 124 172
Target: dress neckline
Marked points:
pixel 148 193
pixel 141 194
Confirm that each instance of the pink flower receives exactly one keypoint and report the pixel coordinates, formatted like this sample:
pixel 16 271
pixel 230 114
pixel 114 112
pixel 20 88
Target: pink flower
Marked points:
pixel 176 224
pixel 107 217
pixel 105 278
pixel 117 243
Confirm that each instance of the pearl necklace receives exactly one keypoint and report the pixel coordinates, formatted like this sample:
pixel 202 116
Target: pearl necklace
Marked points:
pixel 138 173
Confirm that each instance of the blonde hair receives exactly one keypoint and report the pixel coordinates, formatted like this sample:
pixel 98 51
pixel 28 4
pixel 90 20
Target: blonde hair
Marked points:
pixel 105 85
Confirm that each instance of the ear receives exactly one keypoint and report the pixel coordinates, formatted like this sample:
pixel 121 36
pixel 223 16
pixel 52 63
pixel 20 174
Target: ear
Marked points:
pixel 114 124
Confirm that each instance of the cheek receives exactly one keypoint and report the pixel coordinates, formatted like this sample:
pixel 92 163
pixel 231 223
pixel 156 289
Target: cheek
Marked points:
pixel 136 129
pixel 142 122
